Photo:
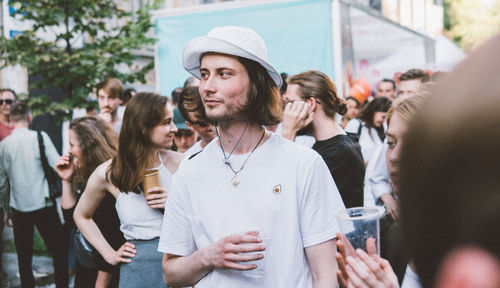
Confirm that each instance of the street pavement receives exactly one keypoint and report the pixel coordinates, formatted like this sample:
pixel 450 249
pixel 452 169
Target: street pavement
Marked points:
pixel 42 266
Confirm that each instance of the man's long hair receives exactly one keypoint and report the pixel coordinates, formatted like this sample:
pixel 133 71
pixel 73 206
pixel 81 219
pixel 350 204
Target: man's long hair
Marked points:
pixel 263 105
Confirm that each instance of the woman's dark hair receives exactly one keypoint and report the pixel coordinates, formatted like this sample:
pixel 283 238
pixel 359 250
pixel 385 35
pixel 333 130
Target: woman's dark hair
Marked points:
pixel 144 112
pixel 264 99
pixel 316 84
pixel 98 142
pixel 379 104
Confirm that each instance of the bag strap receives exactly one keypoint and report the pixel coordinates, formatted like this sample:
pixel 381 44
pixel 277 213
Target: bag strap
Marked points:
pixel 43 158
pixel 360 127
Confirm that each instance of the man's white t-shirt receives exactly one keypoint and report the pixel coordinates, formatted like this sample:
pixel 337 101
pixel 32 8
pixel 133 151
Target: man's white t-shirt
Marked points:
pixel 304 140
pixel 193 149
pixel 285 190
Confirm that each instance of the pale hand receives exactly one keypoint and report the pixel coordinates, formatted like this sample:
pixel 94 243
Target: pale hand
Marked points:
pixel 106 116
pixel 391 205
pixel 157 197
pixel 122 255
pixel 370 271
pixel 295 117
pixel 65 167
pixel 227 252
pixel 341 257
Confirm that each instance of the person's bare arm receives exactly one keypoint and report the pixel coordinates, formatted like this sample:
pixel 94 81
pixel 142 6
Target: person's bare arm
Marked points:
pixel 180 271
pixel 322 263
pixel 97 187
pixel 103 279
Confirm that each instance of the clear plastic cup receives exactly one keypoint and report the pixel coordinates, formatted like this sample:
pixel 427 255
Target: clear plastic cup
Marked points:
pixel 261 263
pixel 360 228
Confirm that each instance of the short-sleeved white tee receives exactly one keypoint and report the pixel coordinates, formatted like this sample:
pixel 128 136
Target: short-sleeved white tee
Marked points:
pixel 193 149
pixel 285 190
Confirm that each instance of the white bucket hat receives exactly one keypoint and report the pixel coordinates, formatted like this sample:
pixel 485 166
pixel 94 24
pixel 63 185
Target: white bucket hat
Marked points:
pixel 231 40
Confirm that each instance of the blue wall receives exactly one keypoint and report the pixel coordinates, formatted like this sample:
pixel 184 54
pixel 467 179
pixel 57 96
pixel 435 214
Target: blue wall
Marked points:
pixel 298 36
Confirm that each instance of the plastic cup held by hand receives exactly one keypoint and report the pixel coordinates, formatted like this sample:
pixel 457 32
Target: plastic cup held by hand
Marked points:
pixel 360 229
pixel 151 179
pixel 261 263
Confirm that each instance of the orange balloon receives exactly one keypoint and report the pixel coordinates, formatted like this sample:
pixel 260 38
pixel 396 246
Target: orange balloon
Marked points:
pixel 361 90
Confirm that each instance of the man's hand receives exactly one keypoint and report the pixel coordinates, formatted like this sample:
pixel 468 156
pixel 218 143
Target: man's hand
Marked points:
pixel 106 116
pixel 227 252
pixel 7 220
pixel 296 116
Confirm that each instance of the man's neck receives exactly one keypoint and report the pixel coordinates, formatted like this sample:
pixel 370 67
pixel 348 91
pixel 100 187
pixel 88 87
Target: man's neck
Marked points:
pixel 231 132
pixel 204 142
pixel 114 118
pixel 326 128
pixel 21 124
pixel 5 119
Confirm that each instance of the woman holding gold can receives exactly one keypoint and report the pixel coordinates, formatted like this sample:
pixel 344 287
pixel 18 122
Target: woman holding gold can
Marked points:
pixel 146 134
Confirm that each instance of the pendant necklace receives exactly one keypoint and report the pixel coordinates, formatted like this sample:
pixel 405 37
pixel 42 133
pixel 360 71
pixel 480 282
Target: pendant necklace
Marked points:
pixel 234 180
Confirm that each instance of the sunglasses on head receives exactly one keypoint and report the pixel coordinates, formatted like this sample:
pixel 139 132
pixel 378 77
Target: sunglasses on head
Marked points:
pixel 7 101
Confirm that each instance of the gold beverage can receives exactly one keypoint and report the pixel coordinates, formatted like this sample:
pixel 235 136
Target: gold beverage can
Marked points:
pixel 151 179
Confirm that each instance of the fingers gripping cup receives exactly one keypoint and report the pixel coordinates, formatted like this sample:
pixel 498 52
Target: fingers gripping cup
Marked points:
pixel 360 228
pixel 261 263
pixel 150 179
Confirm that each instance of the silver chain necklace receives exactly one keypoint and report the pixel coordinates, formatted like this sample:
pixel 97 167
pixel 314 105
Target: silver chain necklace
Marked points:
pixel 235 181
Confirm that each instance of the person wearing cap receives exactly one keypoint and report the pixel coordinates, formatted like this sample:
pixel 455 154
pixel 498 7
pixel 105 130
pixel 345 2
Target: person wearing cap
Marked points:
pixel 248 182
pixel 184 138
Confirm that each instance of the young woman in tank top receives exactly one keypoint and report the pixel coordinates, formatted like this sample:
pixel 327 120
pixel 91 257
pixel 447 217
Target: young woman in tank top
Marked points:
pixel 146 134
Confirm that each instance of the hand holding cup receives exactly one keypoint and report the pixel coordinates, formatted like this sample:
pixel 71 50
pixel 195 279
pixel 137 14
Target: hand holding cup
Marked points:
pixel 156 197
pixel 154 194
pixel 235 251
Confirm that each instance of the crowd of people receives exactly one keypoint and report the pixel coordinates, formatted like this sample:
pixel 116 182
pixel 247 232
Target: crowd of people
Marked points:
pixel 245 155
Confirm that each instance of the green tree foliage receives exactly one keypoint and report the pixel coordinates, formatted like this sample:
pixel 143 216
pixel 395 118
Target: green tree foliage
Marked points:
pixel 471 22
pixel 109 35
